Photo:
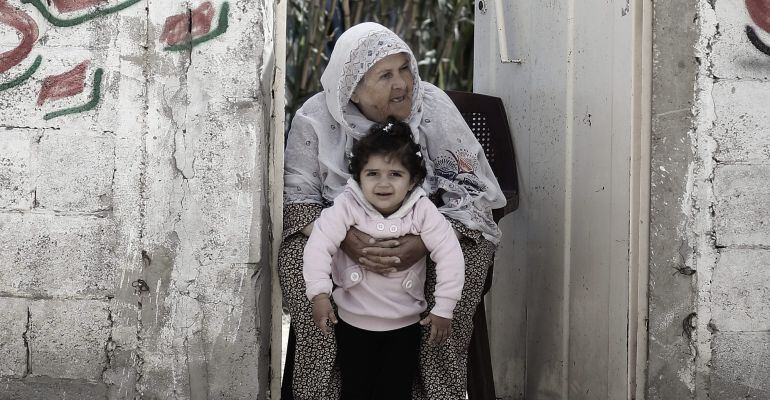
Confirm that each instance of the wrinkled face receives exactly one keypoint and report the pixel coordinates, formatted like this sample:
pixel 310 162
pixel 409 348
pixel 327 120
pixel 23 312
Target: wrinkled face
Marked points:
pixel 385 183
pixel 386 89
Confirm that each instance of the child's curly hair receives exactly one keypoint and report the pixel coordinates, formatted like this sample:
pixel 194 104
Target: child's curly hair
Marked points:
pixel 393 139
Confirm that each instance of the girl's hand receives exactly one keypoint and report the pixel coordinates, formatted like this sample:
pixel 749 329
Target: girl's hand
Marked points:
pixel 323 313
pixel 385 255
pixel 439 328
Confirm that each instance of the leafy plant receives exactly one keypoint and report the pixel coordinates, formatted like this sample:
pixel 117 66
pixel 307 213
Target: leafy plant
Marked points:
pixel 440 33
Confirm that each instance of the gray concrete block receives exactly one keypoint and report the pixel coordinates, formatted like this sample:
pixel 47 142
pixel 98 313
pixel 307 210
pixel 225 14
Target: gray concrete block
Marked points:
pixel 233 330
pixel 739 291
pixel 212 188
pixel 56 256
pixel 740 366
pixel 215 334
pixel 68 338
pixel 44 388
pixel 74 172
pixel 733 56
pixel 742 121
pixel 224 186
pixel 15 167
pixel 743 198
pixel 13 328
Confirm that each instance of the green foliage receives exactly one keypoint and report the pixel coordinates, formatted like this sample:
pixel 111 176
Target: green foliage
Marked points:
pixel 440 32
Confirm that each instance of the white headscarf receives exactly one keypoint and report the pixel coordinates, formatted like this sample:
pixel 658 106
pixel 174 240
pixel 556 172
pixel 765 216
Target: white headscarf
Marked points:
pixel 326 126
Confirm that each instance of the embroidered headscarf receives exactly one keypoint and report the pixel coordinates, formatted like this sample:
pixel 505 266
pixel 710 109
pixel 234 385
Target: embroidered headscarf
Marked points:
pixel 326 126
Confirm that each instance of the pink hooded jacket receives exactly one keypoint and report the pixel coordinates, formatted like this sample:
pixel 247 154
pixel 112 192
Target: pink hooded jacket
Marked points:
pixel 371 301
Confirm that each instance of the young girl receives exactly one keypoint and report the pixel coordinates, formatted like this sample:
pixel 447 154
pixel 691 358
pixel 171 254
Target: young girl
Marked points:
pixel 378 331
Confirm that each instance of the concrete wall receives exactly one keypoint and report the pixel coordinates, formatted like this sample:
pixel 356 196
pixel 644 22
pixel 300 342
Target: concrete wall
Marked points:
pixel 671 356
pixel 711 157
pixel 133 184
pixel 730 200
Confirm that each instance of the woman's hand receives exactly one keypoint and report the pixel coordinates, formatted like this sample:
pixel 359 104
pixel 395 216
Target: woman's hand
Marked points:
pixel 385 255
pixel 399 254
pixel 308 229
pixel 439 328
pixel 323 313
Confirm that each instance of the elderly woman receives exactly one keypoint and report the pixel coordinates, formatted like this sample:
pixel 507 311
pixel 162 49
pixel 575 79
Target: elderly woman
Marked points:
pixel 372 74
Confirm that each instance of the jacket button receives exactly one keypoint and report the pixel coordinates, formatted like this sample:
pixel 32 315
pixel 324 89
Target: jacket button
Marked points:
pixel 355 276
pixel 393 229
pixel 380 226
pixel 408 284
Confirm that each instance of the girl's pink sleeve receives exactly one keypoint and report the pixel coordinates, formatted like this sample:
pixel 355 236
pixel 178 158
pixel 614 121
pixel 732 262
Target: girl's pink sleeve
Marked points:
pixel 444 248
pixel 328 232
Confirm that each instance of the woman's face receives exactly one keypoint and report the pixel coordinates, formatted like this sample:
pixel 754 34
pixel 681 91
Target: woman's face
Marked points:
pixel 386 89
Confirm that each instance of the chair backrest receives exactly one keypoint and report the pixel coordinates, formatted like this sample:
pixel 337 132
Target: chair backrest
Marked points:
pixel 487 119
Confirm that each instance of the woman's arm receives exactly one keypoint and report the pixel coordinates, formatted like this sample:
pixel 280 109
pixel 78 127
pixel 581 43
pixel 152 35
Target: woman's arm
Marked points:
pixel 308 229
pixel 301 173
pixel 302 178
pixel 463 177
pixel 386 255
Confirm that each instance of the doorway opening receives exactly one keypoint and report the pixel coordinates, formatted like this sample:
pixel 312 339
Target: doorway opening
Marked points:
pixel 440 33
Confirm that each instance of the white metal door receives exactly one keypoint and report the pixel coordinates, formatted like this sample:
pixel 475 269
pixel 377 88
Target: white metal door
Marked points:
pixel 564 306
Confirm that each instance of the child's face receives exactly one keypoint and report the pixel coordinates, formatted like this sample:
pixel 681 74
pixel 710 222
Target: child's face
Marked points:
pixel 385 183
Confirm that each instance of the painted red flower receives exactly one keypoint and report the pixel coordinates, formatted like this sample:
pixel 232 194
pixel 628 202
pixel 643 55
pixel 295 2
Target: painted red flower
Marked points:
pixel 177 27
pixel 64 85
pixel 74 5
pixel 759 10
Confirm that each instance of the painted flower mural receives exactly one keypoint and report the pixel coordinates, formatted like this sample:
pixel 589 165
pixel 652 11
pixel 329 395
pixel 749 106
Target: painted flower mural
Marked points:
pixel 64 85
pixel 69 84
pixel 187 30
pixel 27 28
pixel 181 31
pixel 177 28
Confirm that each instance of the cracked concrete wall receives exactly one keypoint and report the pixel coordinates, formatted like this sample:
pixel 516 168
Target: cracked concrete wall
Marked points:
pixel 731 200
pixel 709 276
pixel 134 227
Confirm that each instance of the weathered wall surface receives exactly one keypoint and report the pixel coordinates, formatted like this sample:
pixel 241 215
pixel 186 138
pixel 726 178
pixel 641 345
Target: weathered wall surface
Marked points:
pixel 670 367
pixel 133 221
pixel 731 198
pixel 717 195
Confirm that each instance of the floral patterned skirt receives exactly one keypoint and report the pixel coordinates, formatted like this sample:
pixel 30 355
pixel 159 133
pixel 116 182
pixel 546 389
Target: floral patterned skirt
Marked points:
pixel 442 369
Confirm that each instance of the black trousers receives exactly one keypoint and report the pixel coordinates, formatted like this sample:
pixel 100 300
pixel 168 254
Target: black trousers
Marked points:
pixel 377 365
